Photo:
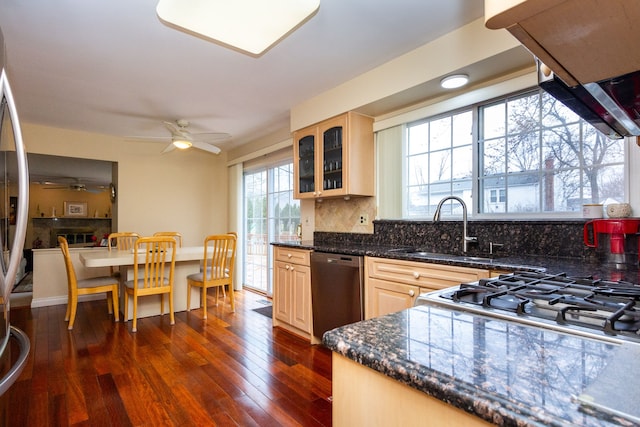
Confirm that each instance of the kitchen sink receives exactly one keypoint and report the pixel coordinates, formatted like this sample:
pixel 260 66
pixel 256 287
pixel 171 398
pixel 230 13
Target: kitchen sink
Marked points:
pixel 420 253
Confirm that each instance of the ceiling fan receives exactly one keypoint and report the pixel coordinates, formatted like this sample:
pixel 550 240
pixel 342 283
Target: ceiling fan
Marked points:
pixel 182 139
pixel 76 185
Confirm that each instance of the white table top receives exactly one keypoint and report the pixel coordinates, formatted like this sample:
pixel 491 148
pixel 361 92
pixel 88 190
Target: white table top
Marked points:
pixel 115 258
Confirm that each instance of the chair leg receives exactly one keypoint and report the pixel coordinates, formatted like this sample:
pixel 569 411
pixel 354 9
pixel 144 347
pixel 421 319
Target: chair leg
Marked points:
pixel 204 302
pixel 125 315
pixel 217 295
pixel 232 299
pixel 72 307
pixel 68 313
pixel 188 295
pixel 135 314
pixel 115 303
pixel 109 303
pixel 171 316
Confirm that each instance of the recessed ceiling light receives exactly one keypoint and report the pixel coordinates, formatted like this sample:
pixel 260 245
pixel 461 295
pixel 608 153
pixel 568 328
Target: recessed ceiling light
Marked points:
pixel 454 81
pixel 251 26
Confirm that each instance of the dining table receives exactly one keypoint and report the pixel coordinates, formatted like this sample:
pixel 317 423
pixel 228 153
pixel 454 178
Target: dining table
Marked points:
pixel 188 261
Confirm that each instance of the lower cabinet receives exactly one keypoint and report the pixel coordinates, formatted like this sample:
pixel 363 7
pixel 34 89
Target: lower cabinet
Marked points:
pixel 385 297
pixel 292 291
pixel 392 285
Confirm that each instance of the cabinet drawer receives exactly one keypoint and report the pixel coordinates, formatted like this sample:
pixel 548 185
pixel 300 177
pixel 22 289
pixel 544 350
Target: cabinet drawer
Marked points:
pixel 293 256
pixel 424 275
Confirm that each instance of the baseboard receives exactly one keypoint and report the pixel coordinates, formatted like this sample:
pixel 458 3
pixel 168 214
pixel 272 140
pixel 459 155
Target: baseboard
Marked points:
pixel 60 300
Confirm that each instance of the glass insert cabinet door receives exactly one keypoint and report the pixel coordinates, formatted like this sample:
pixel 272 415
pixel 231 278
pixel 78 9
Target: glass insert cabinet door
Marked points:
pixel 306 159
pixel 332 158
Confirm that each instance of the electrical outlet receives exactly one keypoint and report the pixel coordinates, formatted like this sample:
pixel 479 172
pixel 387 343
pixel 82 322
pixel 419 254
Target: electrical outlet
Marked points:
pixel 364 219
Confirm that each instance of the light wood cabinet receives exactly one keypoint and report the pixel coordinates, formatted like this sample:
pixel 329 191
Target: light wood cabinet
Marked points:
pixel 334 158
pixel 292 291
pixel 392 285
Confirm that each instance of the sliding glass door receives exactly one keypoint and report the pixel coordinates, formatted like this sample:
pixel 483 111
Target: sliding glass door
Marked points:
pixel 271 214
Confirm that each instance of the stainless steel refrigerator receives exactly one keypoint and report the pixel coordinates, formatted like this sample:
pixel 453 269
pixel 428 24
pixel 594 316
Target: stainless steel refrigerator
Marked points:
pixel 14 202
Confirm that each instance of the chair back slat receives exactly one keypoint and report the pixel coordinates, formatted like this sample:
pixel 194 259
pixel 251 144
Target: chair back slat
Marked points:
pixel 155 258
pixel 122 240
pixel 219 257
pixel 173 234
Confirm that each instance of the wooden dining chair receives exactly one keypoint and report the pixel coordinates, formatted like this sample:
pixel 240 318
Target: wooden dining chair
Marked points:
pixel 94 285
pixel 122 240
pixel 219 257
pixel 224 294
pixel 173 234
pixel 153 269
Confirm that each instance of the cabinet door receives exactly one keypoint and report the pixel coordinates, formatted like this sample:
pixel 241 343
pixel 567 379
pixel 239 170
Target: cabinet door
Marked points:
pixel 301 297
pixel 305 163
pixel 282 292
pixel 388 297
pixel 332 148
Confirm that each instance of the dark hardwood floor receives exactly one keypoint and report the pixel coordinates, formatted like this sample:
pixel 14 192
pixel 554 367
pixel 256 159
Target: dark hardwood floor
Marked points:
pixel 231 369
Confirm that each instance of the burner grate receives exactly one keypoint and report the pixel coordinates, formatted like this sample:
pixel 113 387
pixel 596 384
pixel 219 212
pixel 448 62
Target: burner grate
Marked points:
pixel 606 306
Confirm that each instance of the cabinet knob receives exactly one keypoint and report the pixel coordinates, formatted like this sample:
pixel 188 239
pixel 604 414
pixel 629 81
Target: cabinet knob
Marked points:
pixel 287 267
pixel 412 293
pixel 289 255
pixel 291 268
pixel 416 275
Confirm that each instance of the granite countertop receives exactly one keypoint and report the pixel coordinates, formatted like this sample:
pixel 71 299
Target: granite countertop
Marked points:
pixel 571 266
pixel 506 373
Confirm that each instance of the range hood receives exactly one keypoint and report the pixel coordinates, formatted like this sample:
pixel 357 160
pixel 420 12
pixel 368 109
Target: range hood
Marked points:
pixel 612 106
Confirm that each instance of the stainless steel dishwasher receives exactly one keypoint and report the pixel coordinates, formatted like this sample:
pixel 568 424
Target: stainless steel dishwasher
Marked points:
pixel 337 290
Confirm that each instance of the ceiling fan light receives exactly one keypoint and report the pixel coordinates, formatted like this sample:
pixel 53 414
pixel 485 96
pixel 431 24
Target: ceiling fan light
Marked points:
pixel 454 81
pixel 251 26
pixel 181 143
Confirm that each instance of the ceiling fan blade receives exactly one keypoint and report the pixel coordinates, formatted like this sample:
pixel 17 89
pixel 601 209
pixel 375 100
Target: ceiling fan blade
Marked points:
pixel 206 147
pixel 169 148
pixel 172 127
pixel 148 138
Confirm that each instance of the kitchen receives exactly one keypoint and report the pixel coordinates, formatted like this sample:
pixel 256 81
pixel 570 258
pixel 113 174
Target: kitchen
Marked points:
pixel 129 196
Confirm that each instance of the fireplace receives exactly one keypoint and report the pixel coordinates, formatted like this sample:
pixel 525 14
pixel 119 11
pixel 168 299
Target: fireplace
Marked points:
pixel 76 236
pixel 79 232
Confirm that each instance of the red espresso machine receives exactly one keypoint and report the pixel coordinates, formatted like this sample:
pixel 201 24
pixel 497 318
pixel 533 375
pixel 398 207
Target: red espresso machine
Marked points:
pixel 615 240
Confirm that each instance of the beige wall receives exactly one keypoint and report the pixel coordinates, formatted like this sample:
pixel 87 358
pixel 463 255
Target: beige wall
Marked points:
pixel 185 191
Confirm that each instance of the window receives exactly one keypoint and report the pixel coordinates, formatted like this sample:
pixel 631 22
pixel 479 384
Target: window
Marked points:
pixel 439 162
pixel 533 155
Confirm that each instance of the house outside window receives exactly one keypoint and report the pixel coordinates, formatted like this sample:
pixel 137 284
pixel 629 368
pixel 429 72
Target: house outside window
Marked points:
pixel 525 154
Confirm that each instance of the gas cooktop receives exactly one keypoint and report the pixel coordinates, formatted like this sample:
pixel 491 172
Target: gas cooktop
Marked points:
pixel 581 305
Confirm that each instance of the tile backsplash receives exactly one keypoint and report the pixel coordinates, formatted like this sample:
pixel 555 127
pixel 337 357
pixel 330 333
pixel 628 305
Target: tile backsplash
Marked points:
pixel 343 216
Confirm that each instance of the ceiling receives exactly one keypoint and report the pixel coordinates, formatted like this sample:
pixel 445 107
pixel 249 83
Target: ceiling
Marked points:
pixel 113 67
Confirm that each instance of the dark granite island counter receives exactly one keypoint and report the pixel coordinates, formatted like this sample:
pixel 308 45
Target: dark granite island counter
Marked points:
pixel 437 367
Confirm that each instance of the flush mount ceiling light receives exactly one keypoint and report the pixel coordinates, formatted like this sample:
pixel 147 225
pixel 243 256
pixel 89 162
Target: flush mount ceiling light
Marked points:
pixel 251 26
pixel 454 81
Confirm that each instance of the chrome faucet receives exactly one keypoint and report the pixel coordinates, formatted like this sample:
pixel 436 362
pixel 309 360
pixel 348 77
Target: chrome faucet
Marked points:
pixel 436 217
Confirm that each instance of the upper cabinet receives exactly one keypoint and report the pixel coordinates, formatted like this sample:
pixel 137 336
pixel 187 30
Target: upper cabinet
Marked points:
pixel 334 158
pixel 582 41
